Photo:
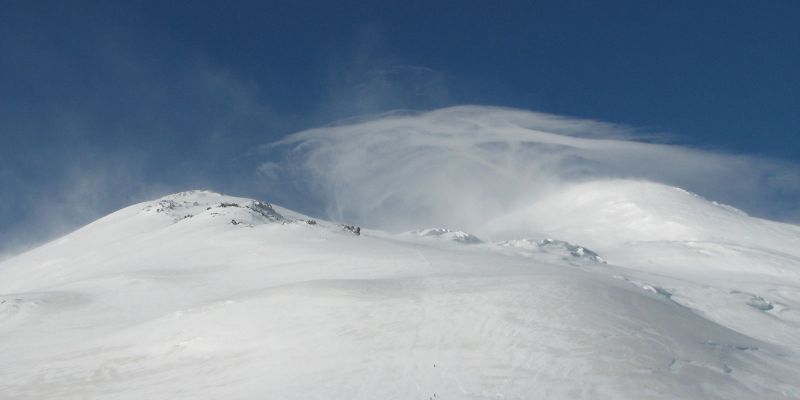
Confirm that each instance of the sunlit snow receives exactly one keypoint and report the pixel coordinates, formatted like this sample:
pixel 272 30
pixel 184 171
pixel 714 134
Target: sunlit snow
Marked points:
pixel 633 290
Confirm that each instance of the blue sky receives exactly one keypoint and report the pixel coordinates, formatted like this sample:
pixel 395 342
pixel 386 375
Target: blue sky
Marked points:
pixel 106 103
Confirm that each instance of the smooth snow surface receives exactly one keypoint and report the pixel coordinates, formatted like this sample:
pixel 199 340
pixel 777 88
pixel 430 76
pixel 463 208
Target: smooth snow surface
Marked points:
pixel 203 296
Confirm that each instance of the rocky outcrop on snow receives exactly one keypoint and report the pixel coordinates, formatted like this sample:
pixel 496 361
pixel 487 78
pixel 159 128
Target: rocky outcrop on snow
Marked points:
pixel 447 234
pixel 551 246
pixel 195 203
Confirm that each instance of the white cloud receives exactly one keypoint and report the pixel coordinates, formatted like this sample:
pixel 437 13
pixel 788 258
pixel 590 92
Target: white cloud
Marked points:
pixel 462 166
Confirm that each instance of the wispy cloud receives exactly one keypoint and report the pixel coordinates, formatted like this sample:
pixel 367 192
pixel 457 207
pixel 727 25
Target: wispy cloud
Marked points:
pixel 462 166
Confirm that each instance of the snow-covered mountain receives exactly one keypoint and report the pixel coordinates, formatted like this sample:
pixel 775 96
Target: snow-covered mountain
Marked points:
pixel 610 289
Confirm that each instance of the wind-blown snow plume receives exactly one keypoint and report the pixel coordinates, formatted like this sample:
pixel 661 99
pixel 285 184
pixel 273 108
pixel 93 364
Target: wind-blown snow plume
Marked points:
pixel 462 166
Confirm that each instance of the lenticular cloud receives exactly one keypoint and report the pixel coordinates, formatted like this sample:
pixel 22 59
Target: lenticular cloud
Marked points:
pixel 463 166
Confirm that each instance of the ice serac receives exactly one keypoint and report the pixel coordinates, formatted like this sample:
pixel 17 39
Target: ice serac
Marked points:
pixel 199 295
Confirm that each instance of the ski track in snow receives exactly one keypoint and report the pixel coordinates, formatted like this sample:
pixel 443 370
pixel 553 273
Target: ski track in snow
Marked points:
pixel 199 295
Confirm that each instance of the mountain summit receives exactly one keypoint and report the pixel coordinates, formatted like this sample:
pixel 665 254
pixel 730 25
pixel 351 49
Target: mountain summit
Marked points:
pixel 632 290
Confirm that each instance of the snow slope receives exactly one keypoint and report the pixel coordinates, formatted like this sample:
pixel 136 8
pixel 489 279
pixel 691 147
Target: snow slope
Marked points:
pixel 203 296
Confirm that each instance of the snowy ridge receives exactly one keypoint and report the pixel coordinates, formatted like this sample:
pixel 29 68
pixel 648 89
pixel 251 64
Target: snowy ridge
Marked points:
pixel 201 295
pixel 614 213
